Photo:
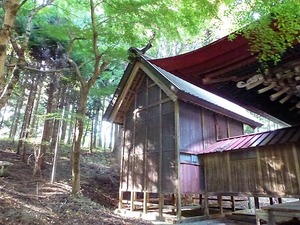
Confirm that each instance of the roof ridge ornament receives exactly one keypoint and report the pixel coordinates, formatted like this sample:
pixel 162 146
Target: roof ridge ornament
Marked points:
pixel 135 52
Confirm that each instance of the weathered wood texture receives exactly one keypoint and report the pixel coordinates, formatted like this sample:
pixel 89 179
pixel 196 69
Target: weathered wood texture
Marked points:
pixel 199 128
pixel 264 171
pixel 149 145
pixel 150 161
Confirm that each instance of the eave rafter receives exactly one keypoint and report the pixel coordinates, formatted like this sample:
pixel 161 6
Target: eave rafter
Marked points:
pixel 283 80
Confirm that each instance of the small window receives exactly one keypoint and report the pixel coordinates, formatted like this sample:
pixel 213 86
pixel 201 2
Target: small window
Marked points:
pixel 188 158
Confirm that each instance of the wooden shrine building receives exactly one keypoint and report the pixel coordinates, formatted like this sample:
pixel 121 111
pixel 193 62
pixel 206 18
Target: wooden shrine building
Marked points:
pixel 181 139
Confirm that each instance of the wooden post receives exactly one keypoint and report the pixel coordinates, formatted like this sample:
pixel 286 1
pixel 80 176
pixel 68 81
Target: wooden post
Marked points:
pixel 249 203
pixel 120 199
pixel 132 200
pixel 280 200
pixel 200 199
pixel 220 203
pixel 256 202
pixel 177 156
pixel 206 206
pixel 161 205
pixel 232 203
pixel 145 202
pixel 271 201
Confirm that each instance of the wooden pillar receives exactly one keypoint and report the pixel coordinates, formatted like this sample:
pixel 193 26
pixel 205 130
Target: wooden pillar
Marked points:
pixel 271 201
pixel 206 206
pixel 256 202
pixel 120 199
pixel 161 205
pixel 145 202
pixel 132 200
pixel 200 200
pixel 249 203
pixel 232 203
pixel 220 203
pixel 177 157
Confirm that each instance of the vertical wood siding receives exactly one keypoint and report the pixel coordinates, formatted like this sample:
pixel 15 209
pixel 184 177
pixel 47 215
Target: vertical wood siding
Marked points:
pixel 263 171
pixel 149 144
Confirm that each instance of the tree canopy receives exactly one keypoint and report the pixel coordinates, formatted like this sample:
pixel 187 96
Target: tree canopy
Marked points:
pixel 79 47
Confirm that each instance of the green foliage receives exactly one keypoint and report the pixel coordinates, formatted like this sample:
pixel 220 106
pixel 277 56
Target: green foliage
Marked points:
pixel 271 26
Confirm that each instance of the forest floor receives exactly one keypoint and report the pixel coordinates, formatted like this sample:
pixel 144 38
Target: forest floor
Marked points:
pixel 25 199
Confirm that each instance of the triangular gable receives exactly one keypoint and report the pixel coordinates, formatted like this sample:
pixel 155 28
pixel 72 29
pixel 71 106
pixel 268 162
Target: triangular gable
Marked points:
pixel 175 88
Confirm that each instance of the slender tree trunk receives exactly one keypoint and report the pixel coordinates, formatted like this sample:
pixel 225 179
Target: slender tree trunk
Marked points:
pixel 91 137
pixel 35 110
pixel 26 121
pixel 71 126
pixel 84 135
pixel 65 120
pixel 61 98
pixel 17 114
pixel 79 126
pixel 40 157
pixel 111 137
pixel 2 116
pixel 95 129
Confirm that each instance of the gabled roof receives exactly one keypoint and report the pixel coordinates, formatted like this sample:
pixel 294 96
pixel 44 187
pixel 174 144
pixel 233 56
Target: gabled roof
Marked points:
pixel 176 88
pixel 220 66
pixel 276 137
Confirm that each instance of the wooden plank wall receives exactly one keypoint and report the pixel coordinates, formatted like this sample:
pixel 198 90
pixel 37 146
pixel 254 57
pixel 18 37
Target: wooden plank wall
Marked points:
pixel 199 128
pixel 264 171
pixel 148 162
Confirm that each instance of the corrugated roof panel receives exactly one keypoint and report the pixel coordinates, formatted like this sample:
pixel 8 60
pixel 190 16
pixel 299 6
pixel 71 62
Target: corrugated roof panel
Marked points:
pixel 236 142
pixel 268 138
pixel 253 138
pixel 259 140
pixel 281 136
pixel 243 142
pixel 278 137
pixel 288 134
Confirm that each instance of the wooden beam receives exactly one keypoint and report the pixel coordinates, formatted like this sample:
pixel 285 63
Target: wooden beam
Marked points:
pixel 279 93
pixel 265 89
pixel 286 98
pixel 255 84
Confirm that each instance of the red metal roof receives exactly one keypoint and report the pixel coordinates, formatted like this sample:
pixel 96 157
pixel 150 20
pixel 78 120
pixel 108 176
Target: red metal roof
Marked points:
pixel 281 136
pixel 212 60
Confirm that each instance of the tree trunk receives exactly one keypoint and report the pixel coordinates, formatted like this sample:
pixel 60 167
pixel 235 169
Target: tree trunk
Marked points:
pixel 111 138
pixel 71 126
pixel 40 157
pixel 26 121
pixel 65 121
pixel 79 126
pixel 10 8
pixel 17 114
pixel 35 111
pixel 91 137
pixel 95 129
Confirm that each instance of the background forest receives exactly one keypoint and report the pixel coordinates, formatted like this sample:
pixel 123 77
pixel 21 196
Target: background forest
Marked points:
pixel 61 60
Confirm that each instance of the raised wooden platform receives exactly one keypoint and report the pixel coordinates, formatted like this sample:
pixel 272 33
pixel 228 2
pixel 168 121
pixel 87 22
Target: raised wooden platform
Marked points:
pixel 285 213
